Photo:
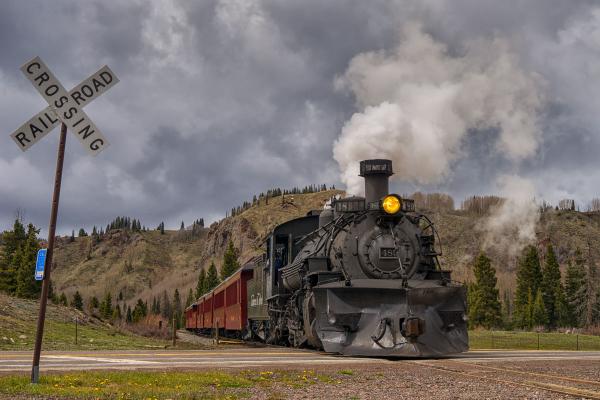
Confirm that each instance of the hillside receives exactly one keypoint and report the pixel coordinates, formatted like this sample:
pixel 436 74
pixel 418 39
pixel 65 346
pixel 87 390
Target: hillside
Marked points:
pixel 18 319
pixel 462 239
pixel 144 264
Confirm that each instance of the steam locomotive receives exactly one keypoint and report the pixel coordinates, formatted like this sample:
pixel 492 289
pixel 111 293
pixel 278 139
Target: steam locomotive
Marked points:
pixel 360 278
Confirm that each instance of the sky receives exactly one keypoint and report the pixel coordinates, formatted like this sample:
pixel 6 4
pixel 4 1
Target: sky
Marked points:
pixel 221 100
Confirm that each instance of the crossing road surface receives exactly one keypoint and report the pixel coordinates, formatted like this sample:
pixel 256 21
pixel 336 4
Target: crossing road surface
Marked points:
pixel 240 358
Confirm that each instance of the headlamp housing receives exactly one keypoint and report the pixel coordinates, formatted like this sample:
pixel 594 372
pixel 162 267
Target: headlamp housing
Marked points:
pixel 391 204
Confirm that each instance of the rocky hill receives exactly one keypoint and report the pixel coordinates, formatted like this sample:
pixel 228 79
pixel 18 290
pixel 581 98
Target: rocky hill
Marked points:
pixel 144 264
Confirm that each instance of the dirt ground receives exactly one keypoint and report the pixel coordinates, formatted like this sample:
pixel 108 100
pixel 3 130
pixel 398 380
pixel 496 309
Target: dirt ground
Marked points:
pixel 447 379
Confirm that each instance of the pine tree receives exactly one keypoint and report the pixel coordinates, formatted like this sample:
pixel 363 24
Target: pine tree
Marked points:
pixel 182 226
pixel 62 300
pixel 529 279
pixel 72 238
pixel 24 260
pixel 561 309
pixel 128 316
pixel 153 308
pixel 106 308
pixel 190 298
pixel 528 315
pixel 575 291
pixel 116 314
pixel 485 307
pixel 177 308
pixel 162 228
pixel 551 286
pixel 506 309
pixel 139 311
pixel 90 305
pixel 230 262
pixel 591 290
pixel 166 311
pixel 201 285
pixel 539 315
pixel 77 301
pixel 212 278
pixel 12 240
pixel 82 233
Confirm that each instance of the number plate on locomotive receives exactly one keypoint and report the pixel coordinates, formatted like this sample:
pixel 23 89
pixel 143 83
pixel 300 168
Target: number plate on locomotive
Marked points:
pixel 388 253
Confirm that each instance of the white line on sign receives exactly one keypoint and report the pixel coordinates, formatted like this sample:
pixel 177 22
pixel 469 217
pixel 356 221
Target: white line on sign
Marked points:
pixel 45 121
pixel 66 109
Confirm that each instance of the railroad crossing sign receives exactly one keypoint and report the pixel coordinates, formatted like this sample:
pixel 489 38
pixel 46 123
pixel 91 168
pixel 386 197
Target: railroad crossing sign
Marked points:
pixel 64 107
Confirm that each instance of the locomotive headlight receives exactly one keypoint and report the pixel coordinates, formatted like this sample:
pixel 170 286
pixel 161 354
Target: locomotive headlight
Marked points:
pixel 391 204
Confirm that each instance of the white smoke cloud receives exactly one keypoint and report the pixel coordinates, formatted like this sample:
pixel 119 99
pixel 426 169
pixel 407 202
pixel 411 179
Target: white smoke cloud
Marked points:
pixel 419 102
pixel 512 225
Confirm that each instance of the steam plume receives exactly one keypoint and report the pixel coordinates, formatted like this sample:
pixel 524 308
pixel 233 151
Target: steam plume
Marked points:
pixel 512 225
pixel 419 102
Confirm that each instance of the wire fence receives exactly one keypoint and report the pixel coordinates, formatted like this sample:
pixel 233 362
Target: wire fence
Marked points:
pixel 507 340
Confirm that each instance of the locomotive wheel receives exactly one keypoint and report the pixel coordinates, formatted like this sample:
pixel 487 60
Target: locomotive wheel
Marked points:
pixel 310 322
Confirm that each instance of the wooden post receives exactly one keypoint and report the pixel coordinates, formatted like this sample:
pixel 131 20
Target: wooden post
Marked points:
pixel 35 369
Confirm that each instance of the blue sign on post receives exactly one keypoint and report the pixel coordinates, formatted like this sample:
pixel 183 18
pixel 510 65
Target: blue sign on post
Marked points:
pixel 40 264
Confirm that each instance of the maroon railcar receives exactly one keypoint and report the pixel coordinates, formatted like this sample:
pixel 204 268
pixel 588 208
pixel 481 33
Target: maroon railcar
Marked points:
pixel 225 307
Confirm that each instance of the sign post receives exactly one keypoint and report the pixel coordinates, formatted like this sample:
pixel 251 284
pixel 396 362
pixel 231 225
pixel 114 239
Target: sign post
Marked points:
pixel 35 370
pixel 64 108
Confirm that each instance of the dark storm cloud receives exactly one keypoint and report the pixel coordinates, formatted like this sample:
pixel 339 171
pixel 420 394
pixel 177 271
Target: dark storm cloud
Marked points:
pixel 220 100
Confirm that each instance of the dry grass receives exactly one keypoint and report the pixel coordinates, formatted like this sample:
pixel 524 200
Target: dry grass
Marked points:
pixel 265 217
pixel 18 318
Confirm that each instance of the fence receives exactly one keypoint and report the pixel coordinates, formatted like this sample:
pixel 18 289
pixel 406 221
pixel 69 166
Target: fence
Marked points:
pixel 532 341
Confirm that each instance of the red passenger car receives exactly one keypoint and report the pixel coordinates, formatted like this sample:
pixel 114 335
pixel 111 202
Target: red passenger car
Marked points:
pixel 225 307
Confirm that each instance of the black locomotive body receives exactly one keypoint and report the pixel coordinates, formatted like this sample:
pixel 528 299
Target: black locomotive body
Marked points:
pixel 358 278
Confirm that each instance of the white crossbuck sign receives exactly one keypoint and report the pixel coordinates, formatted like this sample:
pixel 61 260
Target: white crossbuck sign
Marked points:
pixel 64 107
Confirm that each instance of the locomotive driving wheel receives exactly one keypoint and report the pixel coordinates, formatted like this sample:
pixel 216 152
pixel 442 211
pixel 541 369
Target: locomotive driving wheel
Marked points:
pixel 309 313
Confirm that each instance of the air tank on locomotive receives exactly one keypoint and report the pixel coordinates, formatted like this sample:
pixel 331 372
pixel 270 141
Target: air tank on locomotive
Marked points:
pixel 368 282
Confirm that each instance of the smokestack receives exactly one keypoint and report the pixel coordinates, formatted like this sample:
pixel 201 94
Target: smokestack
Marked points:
pixel 376 173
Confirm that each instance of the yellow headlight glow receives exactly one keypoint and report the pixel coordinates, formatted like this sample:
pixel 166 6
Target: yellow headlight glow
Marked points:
pixel 391 204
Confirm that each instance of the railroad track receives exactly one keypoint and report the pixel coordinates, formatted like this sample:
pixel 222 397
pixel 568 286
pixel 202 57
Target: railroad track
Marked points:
pixel 518 378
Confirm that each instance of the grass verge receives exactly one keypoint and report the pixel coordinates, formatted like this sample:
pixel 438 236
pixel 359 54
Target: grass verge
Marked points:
pixel 513 340
pixel 16 335
pixel 18 323
pixel 160 385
